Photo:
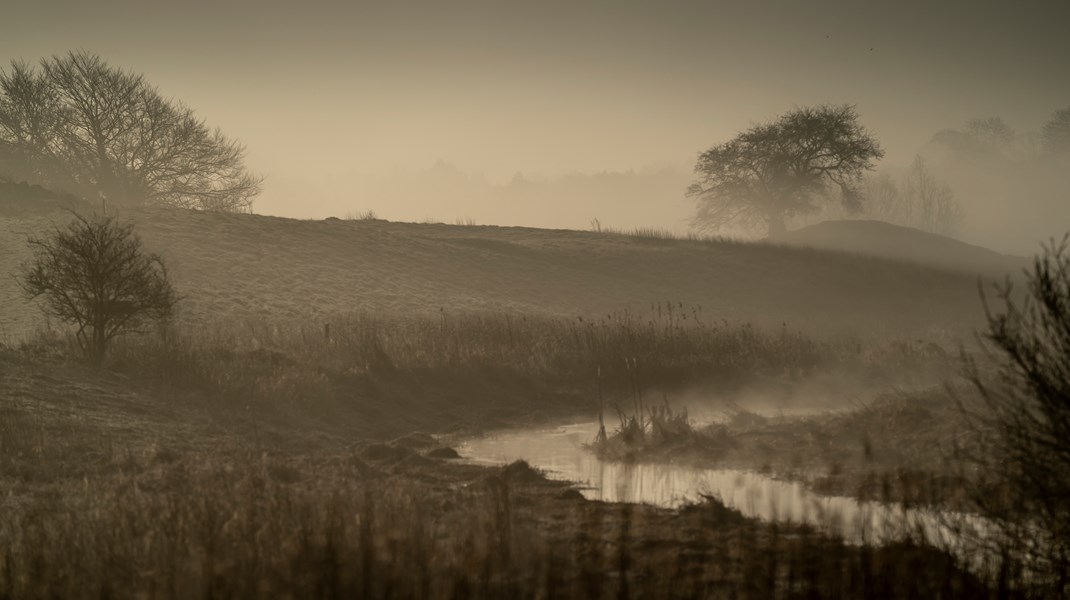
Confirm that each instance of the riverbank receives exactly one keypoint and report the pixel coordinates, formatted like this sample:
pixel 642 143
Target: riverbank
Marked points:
pixel 112 485
pixel 391 520
pixel 261 459
pixel 901 447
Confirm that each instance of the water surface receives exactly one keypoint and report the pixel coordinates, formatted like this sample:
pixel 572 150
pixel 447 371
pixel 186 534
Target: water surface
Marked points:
pixel 561 454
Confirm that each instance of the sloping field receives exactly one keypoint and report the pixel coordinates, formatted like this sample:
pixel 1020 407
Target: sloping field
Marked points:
pixel 232 266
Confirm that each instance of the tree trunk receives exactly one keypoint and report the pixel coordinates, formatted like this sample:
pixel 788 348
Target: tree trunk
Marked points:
pixel 98 346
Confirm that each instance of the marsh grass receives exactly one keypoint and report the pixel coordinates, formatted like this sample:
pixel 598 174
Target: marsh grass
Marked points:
pixel 219 462
pixel 621 354
pixel 901 447
pixel 237 523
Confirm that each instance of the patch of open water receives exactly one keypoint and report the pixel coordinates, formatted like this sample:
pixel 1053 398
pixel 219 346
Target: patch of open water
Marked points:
pixel 560 452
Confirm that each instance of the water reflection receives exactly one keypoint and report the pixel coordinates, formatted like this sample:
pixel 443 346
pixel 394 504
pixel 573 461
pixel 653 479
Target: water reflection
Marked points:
pixel 560 453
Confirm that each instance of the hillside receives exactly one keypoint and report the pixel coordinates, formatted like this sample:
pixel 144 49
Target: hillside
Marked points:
pixel 235 266
pixel 885 240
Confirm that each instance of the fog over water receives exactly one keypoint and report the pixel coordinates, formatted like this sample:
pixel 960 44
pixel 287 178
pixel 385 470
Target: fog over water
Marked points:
pixel 422 110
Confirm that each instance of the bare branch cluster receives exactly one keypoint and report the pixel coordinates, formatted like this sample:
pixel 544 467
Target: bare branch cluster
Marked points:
pixel 80 125
pixel 918 199
pixel 1055 136
pixel 776 170
pixel 95 275
pixel 1026 404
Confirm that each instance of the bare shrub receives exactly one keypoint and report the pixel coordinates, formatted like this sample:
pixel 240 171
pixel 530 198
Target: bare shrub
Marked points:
pixel 96 275
pixel 1025 409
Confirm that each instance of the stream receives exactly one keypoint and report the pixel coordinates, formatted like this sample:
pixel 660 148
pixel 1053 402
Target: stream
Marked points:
pixel 560 453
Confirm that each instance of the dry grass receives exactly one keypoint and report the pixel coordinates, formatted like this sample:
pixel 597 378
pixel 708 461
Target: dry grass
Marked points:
pixel 247 526
pixel 391 375
pixel 208 463
pixel 251 266
pixel 138 505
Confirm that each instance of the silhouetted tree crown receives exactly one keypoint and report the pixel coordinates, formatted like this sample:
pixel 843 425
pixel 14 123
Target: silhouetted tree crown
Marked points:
pixel 80 125
pixel 95 274
pixel 1055 136
pixel 774 171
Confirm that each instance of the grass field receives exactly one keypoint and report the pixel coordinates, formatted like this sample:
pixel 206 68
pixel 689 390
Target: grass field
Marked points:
pixel 250 266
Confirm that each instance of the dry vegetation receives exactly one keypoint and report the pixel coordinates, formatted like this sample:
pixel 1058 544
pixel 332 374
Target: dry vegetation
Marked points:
pixel 263 445
pixel 900 447
pixel 115 489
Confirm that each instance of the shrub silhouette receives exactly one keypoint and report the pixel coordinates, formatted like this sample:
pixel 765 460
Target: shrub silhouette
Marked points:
pixel 96 275
pixel 1025 470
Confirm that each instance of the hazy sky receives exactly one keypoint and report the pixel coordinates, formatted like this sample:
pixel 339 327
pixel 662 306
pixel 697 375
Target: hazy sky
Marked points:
pixel 328 95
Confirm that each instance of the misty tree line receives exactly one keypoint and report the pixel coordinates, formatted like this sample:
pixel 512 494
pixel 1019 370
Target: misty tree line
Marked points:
pixel 992 137
pixel 75 124
pixel 918 198
pixel 819 162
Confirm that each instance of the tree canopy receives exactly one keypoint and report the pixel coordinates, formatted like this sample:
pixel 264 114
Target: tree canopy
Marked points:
pixel 1055 136
pixel 777 170
pixel 80 125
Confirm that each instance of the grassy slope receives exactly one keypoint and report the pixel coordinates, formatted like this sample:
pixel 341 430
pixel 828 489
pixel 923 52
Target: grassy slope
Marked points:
pixel 254 266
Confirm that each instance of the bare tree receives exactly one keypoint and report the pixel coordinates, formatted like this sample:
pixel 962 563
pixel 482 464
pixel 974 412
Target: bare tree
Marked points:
pixel 80 125
pixel 992 132
pixel 1025 474
pixel 777 170
pixel 1055 136
pixel 932 202
pixel 885 201
pixel 95 275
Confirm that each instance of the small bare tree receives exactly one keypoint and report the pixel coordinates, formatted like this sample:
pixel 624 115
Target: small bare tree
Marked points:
pixel 885 201
pixel 95 275
pixel 917 199
pixel 933 205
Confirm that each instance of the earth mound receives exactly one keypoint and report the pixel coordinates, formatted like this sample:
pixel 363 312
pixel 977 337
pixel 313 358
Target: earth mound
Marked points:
pixel 906 244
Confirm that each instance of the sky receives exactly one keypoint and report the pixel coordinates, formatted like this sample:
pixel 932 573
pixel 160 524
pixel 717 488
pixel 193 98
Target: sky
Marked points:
pixel 336 100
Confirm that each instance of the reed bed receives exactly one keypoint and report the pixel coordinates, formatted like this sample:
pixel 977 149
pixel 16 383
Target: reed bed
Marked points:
pixel 620 355
pixel 237 523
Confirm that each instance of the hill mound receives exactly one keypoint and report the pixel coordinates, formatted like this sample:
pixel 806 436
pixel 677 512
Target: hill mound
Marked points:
pixel 22 198
pixel 885 240
pixel 238 266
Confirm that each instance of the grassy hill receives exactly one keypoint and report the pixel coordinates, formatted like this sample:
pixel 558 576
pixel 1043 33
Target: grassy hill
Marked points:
pixel 231 266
